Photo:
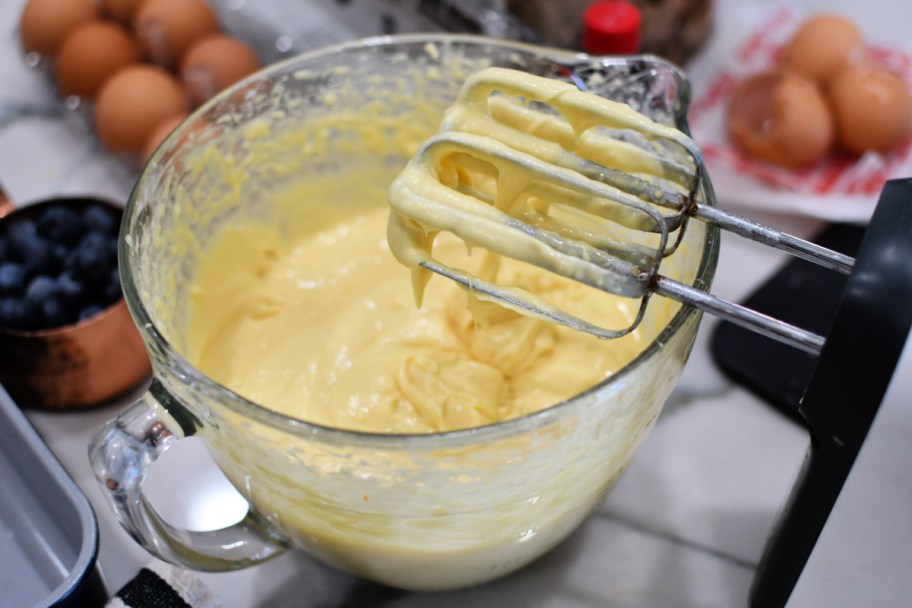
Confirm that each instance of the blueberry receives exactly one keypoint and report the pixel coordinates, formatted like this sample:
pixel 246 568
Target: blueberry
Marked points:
pixel 18 313
pixel 12 278
pixel 41 257
pixel 61 225
pixel 41 288
pixel 12 313
pixel 34 251
pixel 21 235
pixel 89 311
pixel 4 247
pixel 72 290
pixel 92 258
pixel 99 219
pixel 56 312
pixel 61 252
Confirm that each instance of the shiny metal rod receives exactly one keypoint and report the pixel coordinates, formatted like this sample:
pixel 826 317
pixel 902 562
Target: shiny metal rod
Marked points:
pixel 739 315
pixel 761 233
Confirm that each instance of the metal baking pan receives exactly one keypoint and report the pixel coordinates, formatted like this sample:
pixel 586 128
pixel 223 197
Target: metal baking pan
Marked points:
pixel 48 531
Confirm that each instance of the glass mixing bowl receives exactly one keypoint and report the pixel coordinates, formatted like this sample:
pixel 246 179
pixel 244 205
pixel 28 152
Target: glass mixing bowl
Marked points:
pixel 432 511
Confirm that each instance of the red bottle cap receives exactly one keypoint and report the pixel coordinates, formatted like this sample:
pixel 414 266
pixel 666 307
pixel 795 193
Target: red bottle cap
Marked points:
pixel 611 28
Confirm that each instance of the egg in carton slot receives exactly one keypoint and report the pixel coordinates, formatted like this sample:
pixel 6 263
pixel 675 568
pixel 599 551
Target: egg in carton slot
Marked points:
pixel 129 71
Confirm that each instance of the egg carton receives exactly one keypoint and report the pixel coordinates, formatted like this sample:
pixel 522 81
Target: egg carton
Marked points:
pixel 69 92
pixel 276 30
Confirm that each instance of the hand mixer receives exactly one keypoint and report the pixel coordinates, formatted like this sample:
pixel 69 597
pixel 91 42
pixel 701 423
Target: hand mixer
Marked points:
pixel 552 158
pixel 576 184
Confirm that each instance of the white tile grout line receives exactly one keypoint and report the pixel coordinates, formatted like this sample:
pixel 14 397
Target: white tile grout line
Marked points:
pixel 676 540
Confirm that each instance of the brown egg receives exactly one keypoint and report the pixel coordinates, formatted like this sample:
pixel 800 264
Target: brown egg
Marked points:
pixel 167 28
pixel 92 52
pixel 121 10
pixel 822 46
pixel 159 133
pixel 45 23
pixel 214 63
pixel 782 118
pixel 872 107
pixel 132 102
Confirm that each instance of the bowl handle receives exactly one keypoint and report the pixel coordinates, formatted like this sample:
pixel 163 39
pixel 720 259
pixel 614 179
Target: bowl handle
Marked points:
pixel 122 453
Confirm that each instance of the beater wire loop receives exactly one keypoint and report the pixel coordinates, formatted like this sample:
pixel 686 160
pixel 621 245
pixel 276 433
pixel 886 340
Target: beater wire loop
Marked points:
pixel 585 187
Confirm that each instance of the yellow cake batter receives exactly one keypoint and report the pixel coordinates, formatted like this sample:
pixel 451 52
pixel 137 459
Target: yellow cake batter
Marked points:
pixel 316 319
pixel 324 327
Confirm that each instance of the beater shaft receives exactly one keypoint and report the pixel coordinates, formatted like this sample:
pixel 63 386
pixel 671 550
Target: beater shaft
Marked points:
pixel 518 152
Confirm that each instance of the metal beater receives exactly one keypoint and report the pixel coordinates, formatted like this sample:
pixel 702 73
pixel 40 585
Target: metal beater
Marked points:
pixel 607 195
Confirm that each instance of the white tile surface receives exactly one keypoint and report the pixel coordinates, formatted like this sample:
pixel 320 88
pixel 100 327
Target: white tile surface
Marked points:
pixel 714 472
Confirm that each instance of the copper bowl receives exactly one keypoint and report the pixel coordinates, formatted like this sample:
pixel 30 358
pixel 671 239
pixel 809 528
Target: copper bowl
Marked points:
pixel 76 365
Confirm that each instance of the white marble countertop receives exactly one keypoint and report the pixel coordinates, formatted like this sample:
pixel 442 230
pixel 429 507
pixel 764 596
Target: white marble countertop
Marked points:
pixel 684 527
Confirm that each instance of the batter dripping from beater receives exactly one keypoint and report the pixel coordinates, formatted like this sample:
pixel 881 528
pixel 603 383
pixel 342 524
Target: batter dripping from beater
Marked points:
pixel 323 325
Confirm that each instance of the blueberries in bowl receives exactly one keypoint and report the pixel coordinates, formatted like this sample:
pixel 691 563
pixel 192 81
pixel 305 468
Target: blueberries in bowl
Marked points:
pixel 12 278
pixel 61 225
pixel 58 263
